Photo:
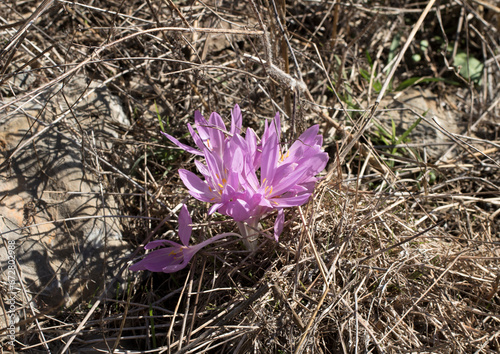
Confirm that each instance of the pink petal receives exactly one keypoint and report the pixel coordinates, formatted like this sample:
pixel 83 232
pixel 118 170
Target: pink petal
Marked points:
pixel 214 166
pixel 154 244
pixel 216 133
pixel 290 201
pixel 236 120
pixel 202 168
pixel 184 228
pixel 197 188
pixel 197 140
pixel 309 135
pixel 278 224
pixel 249 176
pixel 269 160
pixel 233 182
pixel 236 161
pixel 217 122
pixel 303 172
pixel 201 125
pixel 157 260
pixel 276 124
pixel 251 140
pixel 181 145
pixel 214 208
pixel 239 210
pixel 284 182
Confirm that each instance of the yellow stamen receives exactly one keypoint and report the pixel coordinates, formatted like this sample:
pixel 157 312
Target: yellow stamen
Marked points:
pixel 284 156
pixel 208 143
pixel 220 185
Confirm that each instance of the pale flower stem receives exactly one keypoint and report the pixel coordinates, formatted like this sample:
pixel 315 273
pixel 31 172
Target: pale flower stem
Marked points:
pixel 249 231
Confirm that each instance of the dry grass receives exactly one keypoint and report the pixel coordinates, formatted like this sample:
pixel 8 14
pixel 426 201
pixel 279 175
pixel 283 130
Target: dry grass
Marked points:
pixel 399 250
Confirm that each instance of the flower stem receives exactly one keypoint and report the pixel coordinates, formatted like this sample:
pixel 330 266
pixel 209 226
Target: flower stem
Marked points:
pixel 249 229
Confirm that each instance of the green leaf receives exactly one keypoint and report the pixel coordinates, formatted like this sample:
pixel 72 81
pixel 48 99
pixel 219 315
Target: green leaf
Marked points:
pixel 393 137
pixel 382 131
pixel 365 74
pixel 470 68
pixel 432 177
pixel 403 136
pixel 420 80
pixel 159 118
pixel 394 46
pixel 376 84
pixel 337 59
pixel 369 58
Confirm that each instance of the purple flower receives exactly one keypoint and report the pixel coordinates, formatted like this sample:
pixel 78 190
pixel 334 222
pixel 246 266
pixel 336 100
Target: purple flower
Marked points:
pixel 177 256
pixel 246 178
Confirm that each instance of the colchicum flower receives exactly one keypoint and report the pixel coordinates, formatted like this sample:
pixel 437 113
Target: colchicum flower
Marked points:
pixel 177 256
pixel 247 179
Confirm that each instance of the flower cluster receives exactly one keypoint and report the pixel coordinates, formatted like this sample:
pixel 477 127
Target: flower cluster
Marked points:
pixel 244 177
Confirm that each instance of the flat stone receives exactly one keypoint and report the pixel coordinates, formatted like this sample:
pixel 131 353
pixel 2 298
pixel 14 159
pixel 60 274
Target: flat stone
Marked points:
pixel 51 204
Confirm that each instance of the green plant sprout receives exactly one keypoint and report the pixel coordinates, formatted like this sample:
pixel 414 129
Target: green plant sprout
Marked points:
pixel 469 67
pixel 391 138
pixel 160 120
